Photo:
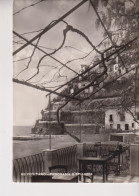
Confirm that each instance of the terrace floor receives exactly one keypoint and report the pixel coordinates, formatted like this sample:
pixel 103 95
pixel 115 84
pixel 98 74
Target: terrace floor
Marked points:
pixel 115 179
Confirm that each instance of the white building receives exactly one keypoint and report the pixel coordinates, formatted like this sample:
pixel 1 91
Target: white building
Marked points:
pixel 120 120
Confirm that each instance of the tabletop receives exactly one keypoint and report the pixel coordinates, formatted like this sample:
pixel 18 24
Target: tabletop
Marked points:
pixel 94 158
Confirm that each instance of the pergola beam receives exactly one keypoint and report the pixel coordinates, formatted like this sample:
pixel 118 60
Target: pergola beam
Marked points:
pixel 44 52
pixel 41 88
pixel 48 27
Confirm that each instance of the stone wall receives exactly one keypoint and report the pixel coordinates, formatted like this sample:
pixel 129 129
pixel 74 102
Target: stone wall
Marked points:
pixel 89 132
pixel 73 117
pixel 84 128
pixel 76 128
pixel 85 116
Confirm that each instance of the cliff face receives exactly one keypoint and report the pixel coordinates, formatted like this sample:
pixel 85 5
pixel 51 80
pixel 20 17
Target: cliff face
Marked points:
pixel 45 128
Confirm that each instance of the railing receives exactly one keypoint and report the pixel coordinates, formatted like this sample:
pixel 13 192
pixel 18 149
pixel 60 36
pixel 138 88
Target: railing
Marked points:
pixel 125 160
pixel 137 140
pixel 24 167
pixel 104 149
pixel 30 164
pixel 66 156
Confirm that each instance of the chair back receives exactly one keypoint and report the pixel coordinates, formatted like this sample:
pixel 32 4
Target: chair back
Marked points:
pixel 91 153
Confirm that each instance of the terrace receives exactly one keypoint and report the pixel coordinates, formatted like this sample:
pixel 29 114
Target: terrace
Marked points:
pixel 123 157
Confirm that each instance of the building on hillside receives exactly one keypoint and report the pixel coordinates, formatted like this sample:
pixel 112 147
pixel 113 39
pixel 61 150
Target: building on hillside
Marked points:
pixel 84 80
pixel 121 120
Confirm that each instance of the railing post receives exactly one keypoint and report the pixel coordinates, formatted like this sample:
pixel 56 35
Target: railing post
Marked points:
pixel 80 150
pixel 48 158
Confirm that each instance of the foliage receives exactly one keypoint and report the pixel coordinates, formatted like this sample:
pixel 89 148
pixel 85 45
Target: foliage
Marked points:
pixel 121 18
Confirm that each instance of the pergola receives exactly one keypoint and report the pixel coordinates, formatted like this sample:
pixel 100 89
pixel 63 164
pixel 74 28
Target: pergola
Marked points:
pixel 68 71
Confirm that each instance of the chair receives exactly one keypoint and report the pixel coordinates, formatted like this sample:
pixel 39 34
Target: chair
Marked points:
pixel 98 147
pixel 113 165
pixel 58 169
pixel 91 153
pixel 89 168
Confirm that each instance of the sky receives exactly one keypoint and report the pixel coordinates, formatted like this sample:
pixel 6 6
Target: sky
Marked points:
pixel 27 105
pixel 29 102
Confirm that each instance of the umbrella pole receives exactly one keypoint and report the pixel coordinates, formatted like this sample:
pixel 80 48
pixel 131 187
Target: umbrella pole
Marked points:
pixel 80 125
pixel 49 122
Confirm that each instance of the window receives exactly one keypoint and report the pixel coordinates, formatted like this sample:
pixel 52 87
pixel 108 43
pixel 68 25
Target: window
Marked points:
pixel 132 125
pixel 115 67
pixel 111 117
pixel 111 126
pixel 126 127
pixel 118 126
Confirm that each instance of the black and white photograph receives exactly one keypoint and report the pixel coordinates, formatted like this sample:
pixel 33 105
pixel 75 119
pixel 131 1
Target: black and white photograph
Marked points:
pixel 75 91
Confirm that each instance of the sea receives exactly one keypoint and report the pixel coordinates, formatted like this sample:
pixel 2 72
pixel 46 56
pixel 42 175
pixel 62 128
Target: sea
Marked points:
pixel 21 130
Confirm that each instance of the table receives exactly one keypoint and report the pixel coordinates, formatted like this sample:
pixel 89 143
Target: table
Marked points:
pixel 55 178
pixel 84 161
pixel 65 178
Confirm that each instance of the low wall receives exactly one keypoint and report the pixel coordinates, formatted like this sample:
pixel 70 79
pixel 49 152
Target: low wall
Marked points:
pixel 76 128
pixel 86 117
pixel 89 132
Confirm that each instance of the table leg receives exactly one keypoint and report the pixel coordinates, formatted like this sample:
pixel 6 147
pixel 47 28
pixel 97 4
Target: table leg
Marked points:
pixel 119 163
pixel 103 172
pixel 106 171
pixel 84 169
pixel 79 170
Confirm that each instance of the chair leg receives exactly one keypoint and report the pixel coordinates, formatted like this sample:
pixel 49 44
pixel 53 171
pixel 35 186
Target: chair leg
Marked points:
pixel 92 175
pixel 92 178
pixel 83 178
pixel 118 171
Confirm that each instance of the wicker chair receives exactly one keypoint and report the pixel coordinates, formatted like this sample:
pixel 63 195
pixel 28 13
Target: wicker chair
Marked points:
pixel 113 164
pixel 89 168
